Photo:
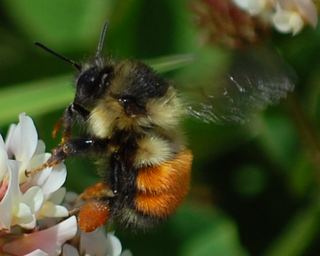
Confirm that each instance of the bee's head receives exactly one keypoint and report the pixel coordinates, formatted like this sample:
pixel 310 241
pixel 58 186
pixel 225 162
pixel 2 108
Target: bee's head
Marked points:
pixel 93 79
pixel 91 84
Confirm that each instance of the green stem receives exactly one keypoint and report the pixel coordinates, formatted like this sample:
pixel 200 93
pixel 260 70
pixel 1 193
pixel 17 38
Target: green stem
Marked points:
pixel 299 232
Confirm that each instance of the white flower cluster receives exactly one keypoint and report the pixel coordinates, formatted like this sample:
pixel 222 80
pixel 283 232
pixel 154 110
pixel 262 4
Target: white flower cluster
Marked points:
pixel 287 16
pixel 24 200
pixel 30 207
pixel 96 243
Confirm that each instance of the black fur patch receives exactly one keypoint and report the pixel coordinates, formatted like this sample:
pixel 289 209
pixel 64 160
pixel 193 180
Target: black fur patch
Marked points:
pixel 144 83
pixel 122 174
pixel 139 220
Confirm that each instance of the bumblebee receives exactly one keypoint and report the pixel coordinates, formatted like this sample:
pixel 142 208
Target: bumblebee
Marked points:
pixel 133 118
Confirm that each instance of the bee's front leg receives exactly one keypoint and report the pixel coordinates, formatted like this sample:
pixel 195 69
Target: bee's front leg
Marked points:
pixel 72 147
pixel 71 113
pixel 75 147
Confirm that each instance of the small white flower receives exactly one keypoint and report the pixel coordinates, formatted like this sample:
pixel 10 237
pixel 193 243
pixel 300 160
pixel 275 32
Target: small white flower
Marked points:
pixel 287 21
pixel 34 203
pixel 45 242
pixel 254 7
pixel 37 252
pixel 24 200
pixel 287 16
pixel 308 10
pixel 96 243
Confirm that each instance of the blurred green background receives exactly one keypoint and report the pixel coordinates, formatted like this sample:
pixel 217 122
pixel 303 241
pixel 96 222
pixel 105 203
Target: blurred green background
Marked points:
pixel 255 187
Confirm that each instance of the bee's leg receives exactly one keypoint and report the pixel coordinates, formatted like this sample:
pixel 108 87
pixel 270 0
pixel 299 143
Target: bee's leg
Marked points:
pixel 93 214
pixel 75 147
pixel 66 122
pixel 71 112
pixel 72 147
pixel 95 210
pixel 99 190
pixel 57 128
pixel 115 172
pixel 121 177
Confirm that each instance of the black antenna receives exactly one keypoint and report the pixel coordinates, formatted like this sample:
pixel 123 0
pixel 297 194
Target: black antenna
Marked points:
pixel 76 65
pixel 101 39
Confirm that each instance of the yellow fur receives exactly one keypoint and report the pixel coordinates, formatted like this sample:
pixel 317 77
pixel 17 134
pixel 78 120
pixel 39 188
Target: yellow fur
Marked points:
pixel 152 150
pixel 103 118
pixel 164 112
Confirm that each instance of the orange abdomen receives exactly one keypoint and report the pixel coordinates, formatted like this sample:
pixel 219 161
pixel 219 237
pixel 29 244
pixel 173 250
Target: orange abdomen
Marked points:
pixel 161 188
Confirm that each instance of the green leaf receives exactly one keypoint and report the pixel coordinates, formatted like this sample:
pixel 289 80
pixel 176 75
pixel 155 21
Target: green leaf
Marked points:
pixel 299 233
pixel 250 180
pixel 206 232
pixel 301 176
pixel 35 98
pixel 278 137
pixel 194 230
pixel 171 62
pixel 59 23
pixel 219 240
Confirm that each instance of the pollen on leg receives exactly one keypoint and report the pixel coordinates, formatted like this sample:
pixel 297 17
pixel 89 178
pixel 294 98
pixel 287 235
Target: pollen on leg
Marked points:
pixel 93 214
pixel 57 128
pixel 97 191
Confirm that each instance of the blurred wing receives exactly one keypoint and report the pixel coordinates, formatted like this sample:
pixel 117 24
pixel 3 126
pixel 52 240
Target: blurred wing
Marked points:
pixel 254 80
